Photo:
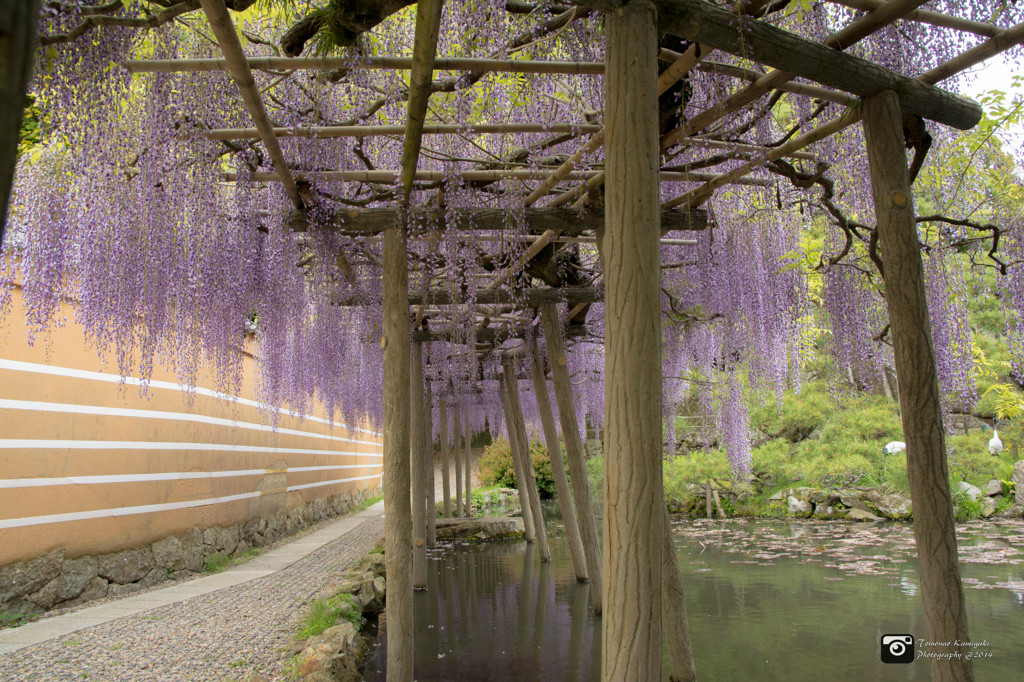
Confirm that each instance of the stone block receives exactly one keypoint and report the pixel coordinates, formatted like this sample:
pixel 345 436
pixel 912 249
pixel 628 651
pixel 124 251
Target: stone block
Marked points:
pixel 798 507
pixel 971 491
pixel 26 577
pixel 115 590
pixel 169 553
pixel 126 566
pixel 78 573
pixel 861 515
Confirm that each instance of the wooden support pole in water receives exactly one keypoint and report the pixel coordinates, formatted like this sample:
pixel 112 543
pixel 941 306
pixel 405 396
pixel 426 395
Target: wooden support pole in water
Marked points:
pixel 516 408
pixel 707 497
pixel 920 409
pixel 673 615
pixel 428 455
pixel 457 447
pixel 547 419
pixel 442 409
pixel 631 254
pixel 467 508
pixel 573 449
pixel 529 531
pixel 397 509
pixel 419 473
pixel 718 502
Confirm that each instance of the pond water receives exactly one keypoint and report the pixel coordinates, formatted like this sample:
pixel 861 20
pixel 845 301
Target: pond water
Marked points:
pixel 767 600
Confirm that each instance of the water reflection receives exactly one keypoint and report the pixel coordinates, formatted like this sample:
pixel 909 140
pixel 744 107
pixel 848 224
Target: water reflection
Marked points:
pixel 767 600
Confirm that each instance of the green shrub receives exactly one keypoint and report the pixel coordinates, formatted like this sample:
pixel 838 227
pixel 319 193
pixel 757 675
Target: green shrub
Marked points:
pixel 798 416
pixel 773 464
pixel 680 472
pixel 325 613
pixel 497 468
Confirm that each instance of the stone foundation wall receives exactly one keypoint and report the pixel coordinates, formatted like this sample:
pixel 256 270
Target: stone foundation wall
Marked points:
pixel 52 581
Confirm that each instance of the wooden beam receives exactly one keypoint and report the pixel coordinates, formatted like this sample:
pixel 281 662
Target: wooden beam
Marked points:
pixel 697 196
pixel 920 401
pixel 634 500
pixel 567 221
pixel 752 76
pixel 677 70
pixel 526 297
pixel 857 30
pixel 1004 41
pixel 993 46
pixel 759 41
pixel 391 176
pixel 329 132
pixel 489 335
pixel 365 63
pixel 929 17
pixel 424 51
pixel 234 60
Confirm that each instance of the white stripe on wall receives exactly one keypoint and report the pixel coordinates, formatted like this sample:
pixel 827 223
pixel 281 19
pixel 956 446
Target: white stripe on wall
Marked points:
pixel 50 444
pixel 151 508
pixel 166 476
pixel 69 408
pixel 19 366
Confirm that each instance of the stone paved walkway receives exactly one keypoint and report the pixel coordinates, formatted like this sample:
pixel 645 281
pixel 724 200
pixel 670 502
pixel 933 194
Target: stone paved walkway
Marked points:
pixel 235 625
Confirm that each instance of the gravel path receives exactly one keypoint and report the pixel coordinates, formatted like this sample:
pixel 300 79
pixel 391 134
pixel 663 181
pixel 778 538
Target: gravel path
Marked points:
pixel 239 633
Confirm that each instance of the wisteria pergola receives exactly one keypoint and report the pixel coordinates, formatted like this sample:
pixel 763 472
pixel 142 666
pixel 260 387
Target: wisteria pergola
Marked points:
pixel 498 306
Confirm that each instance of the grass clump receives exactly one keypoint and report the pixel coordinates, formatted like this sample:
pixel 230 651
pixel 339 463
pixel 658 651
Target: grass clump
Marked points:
pixel 219 561
pixel 326 613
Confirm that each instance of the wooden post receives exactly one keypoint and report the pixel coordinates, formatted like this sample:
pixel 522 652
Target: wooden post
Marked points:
pixel 514 443
pixel 18 24
pixel 457 440
pixel 442 416
pixel 707 497
pixel 673 617
pixel 397 509
pixel 516 408
pixel 547 419
pixel 573 450
pixel 718 502
pixel 467 508
pixel 428 466
pixel 419 474
pixel 934 530
pixel 634 499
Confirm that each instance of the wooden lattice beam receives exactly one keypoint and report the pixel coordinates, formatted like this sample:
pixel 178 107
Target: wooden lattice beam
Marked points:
pixel 325 132
pixel 566 220
pixel 703 22
pixel 234 60
pixel 363 62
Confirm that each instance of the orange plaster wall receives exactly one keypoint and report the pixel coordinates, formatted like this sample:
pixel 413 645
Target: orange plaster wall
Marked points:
pixel 71 409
